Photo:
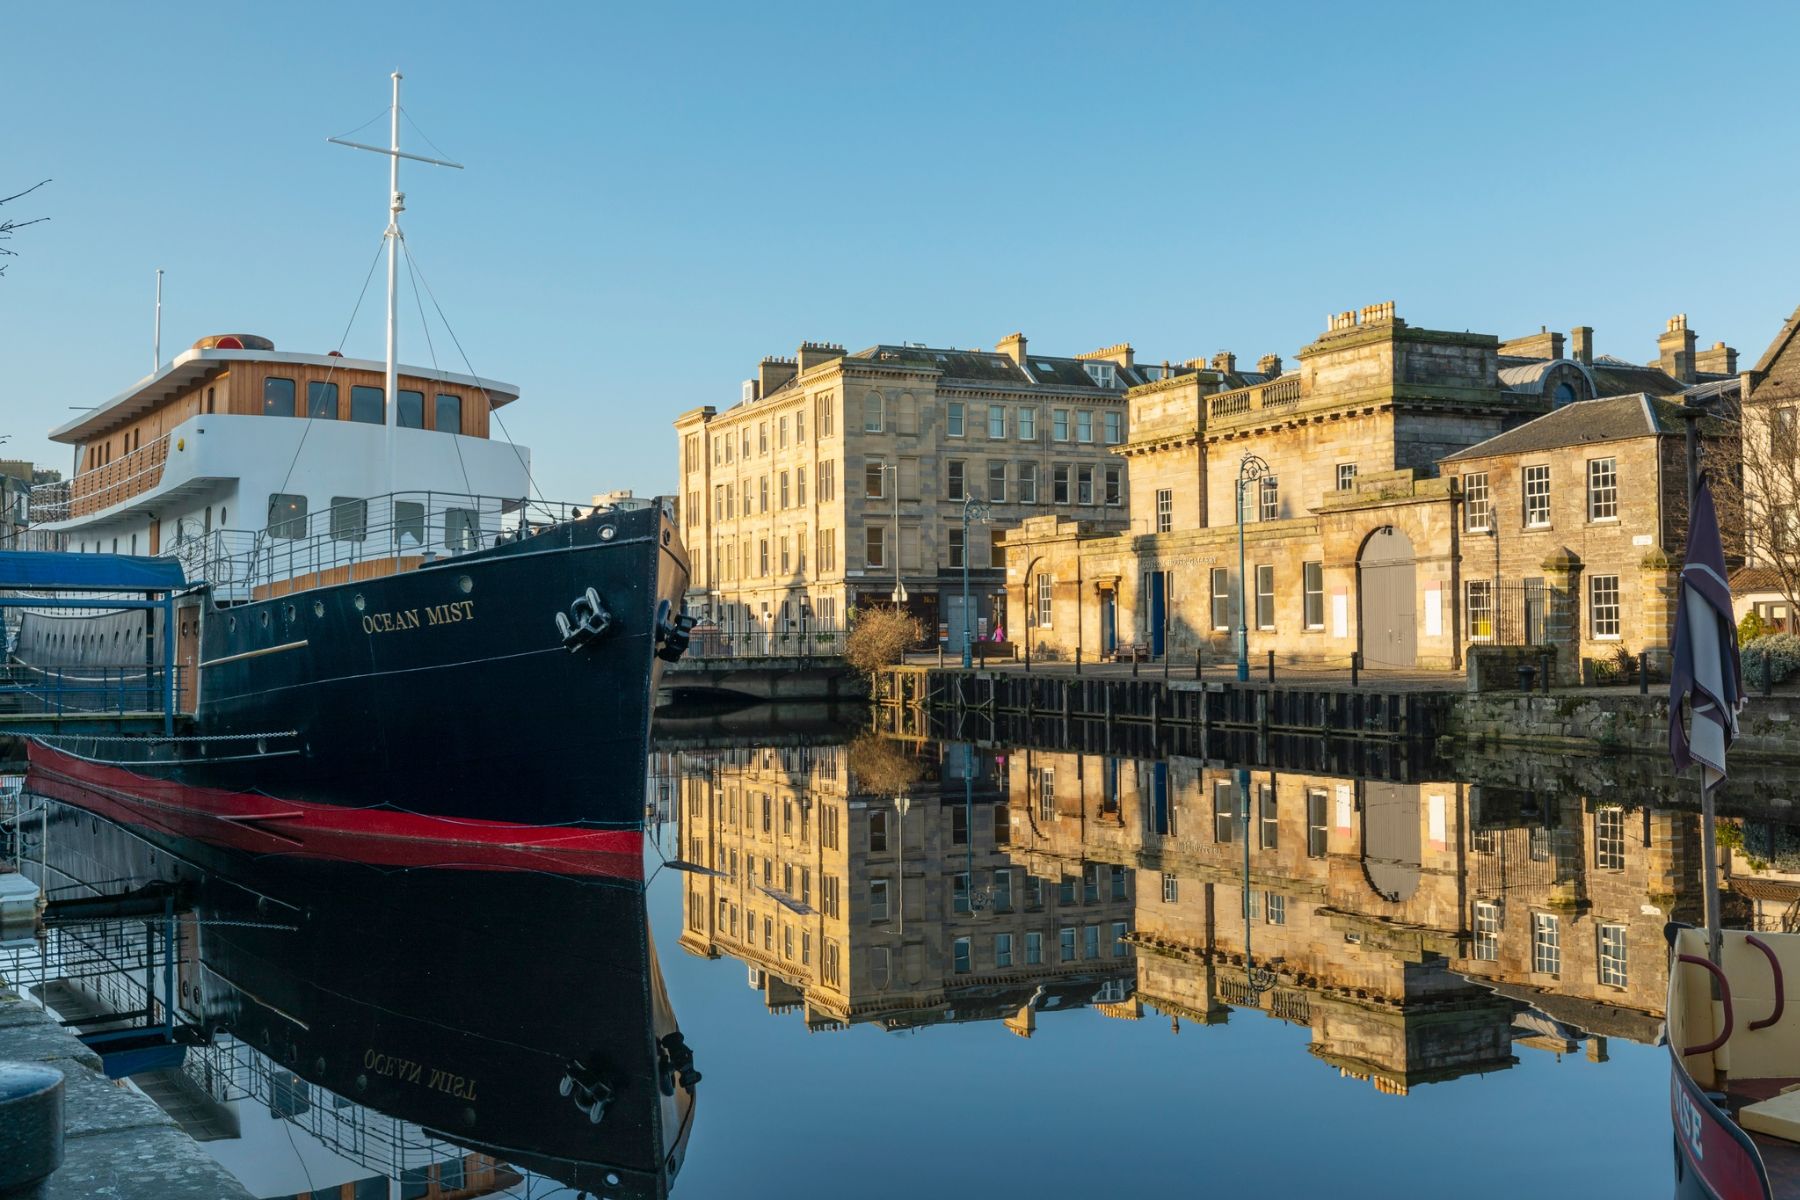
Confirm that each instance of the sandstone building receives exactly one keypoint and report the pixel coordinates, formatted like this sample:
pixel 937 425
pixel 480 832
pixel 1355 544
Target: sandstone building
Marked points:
pixel 836 473
pixel 1356 536
pixel 1769 583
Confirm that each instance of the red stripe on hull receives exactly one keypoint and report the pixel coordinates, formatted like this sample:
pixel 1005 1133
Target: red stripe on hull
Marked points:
pixel 260 824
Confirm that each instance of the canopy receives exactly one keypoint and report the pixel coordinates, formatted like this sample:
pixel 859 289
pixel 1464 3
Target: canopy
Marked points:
pixel 49 570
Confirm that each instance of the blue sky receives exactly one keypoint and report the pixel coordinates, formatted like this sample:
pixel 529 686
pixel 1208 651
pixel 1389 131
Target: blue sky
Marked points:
pixel 658 195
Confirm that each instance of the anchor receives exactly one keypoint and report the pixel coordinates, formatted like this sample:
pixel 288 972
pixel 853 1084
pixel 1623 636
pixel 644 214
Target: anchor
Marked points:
pixel 591 621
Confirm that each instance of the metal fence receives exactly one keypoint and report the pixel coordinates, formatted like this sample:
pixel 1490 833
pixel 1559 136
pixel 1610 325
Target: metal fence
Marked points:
pixel 710 641
pixel 27 688
pixel 1514 615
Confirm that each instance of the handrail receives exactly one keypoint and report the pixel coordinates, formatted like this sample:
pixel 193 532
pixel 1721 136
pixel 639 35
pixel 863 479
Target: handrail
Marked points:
pixel 1780 990
pixel 1724 996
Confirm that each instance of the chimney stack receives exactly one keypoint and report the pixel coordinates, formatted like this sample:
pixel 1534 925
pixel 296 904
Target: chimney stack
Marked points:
pixel 1269 364
pixel 1013 346
pixel 1581 344
pixel 1675 349
pixel 1720 360
pixel 1224 362
pixel 813 354
pixel 772 374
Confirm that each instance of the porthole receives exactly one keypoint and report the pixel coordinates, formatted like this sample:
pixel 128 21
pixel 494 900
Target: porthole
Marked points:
pixel 318 608
pixel 291 613
pixel 231 623
pixel 265 618
pixel 464 584
pixel 359 602
pixel 608 533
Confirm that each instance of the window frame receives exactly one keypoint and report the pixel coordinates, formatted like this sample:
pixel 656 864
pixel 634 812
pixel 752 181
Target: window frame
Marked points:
pixel 1165 510
pixel 1606 617
pixel 1534 495
pixel 1478 503
pixel 1603 489
pixel 1265 596
pixel 1312 595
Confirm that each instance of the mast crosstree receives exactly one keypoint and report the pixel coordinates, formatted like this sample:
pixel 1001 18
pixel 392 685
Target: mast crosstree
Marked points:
pixel 396 205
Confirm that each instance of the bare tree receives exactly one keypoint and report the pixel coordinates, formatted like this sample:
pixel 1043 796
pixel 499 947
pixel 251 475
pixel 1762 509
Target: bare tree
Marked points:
pixel 7 226
pixel 1770 496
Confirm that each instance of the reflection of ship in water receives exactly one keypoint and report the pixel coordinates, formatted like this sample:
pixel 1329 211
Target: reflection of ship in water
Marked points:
pixel 445 1029
pixel 864 884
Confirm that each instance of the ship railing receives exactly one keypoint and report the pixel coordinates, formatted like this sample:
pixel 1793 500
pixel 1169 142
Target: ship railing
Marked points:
pixel 358 538
pixel 32 688
pixel 99 488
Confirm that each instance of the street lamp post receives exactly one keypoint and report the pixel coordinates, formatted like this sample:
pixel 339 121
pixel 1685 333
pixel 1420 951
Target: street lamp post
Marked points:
pixel 898 595
pixel 973 510
pixel 1250 469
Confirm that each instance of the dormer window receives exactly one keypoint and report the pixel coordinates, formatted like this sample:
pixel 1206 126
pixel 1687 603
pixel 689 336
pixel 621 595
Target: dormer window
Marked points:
pixel 1103 373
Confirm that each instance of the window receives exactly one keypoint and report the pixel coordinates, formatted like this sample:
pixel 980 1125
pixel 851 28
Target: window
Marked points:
pixel 1118 880
pixel 1478 514
pixel 762 438
pixel 1059 484
pixel 287 515
pixel 1224 812
pixel 1546 943
pixel 996 482
pixel 1045 597
pixel 1269 492
pixel 1003 950
pixel 800 487
pixel 349 519
pixel 1612 955
pixel 412 410
pixel 1603 489
pixel 1609 838
pixel 1084 485
pixel 782 489
pixel 1274 908
pixel 1065 892
pixel 1034 949
pixel 827 481
pixel 278 397
pixel 1603 605
pixel 957 550
pixel 875 546
pixel 800 427
pixel 1115 427
pixel 762 556
pixel 1346 476
pixel 827 549
pixel 368 405
pixel 1027 476
pixel 875 481
pixel 1171 887
pixel 831 963
pixel 1090 884
pixel 1537 496
pixel 322 401
pixel 1479 604
pixel 1115 484
pixel 872 413
pixel 762 488
pixel 1103 373
pixel 1265 596
pixel 1315 823
pixel 1028 424
pixel 1312 590
pixel 1065 940
pixel 827 422
pixel 1046 793
pixel 1783 425
pixel 954 485
pixel 1002 884
pixel 1487 931
pixel 996 421
pixel 462 529
pixel 959 895
pixel 1269 827
pixel 781 433
pixel 1084 426
pixel 1221 598
pixel 959 826
pixel 1059 424
pixel 954 419
pixel 1165 509
pixel 878 900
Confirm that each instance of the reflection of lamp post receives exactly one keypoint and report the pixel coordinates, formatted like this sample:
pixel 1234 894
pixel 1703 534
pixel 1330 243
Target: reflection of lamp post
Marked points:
pixel 902 806
pixel 1250 469
pixel 973 510
pixel 1257 979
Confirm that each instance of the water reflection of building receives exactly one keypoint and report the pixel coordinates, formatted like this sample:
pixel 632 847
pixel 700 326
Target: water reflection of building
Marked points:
pixel 853 900
pixel 1417 929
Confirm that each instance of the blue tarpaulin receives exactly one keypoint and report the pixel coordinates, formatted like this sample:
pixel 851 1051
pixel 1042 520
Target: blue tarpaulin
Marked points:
pixel 54 571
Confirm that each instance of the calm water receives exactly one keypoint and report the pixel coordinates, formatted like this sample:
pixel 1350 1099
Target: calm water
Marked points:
pixel 911 966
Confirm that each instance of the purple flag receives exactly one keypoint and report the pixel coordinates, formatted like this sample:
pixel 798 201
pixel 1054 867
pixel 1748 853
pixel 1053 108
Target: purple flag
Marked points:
pixel 1707 674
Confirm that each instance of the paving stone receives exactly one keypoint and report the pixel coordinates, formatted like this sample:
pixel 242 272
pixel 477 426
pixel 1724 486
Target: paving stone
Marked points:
pixel 161 1163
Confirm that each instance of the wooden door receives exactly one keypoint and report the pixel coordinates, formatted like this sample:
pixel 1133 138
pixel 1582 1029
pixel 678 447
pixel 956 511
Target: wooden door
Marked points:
pixel 1388 588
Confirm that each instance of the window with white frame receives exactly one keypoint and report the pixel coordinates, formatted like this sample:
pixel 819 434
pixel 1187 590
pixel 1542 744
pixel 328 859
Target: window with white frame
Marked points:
pixel 1268 818
pixel 873 412
pixel 955 418
pixel 996 415
pixel 878 900
pixel 1346 476
pixel 1603 605
pixel 1224 811
pixel 1084 425
pixel 1221 598
pixel 1171 887
pixel 1478 513
pixel 1603 489
pixel 1034 949
pixel 1265 596
pixel 1065 943
pixel 1028 423
pixel 1115 427
pixel 1609 838
pixel 1546 943
pixel 1103 373
pixel 1115 484
pixel 1270 493
pixel 1312 589
pixel 1613 955
pixel 1537 496
pixel 1274 908
pixel 1084 485
pixel 1487 931
pixel 1479 605
pixel 1003 949
pixel 1059 424
pixel 1165 509
pixel 1027 477
pixel 996 481
pixel 960 955
pixel 1059 483
pixel 874 546
pixel 955 536
pixel 1045 598
pixel 1316 801
pixel 1046 793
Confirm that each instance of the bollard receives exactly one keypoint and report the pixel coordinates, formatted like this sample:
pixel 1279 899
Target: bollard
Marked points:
pixel 1166 657
pixel 1196 664
pixel 1526 671
pixel 1355 666
pixel 1644 673
pixel 1134 662
pixel 31 1114
pixel 1078 660
pixel 1271 666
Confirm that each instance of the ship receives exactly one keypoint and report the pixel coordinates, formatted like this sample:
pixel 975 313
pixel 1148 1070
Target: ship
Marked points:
pixel 379 632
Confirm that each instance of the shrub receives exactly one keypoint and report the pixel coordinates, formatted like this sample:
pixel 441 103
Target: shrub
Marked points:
pixel 880 639
pixel 1752 627
pixel 1771 659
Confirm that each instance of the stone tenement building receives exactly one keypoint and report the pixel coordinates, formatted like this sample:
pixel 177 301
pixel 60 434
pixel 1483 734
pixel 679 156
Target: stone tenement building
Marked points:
pixel 789 497
pixel 1413 927
pixel 852 906
pixel 1354 537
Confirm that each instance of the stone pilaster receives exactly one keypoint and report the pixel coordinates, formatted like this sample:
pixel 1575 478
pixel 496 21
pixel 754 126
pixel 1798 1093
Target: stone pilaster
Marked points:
pixel 1562 620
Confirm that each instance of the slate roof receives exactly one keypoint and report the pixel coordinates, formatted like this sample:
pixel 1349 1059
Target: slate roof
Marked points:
pixel 1527 375
pixel 988 366
pixel 1609 419
pixel 1615 377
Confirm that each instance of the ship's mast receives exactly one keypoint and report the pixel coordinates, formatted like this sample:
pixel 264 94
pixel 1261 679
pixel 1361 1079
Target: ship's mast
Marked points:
pixel 396 205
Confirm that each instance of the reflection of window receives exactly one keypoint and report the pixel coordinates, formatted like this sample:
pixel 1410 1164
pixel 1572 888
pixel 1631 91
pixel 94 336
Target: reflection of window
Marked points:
pixel 287 515
pixel 959 826
pixel 1224 812
pixel 1270 834
pixel 1609 839
pixel 278 397
pixel 878 900
pixel 1115 485
pixel 1487 931
pixel 1003 889
pixel 1171 888
pixel 959 897
pixel 1120 949
pixel 1034 949
pixel 1546 943
pixel 1090 941
pixel 1003 949
pixel 1065 944
pixel 1274 908
pixel 349 519
pixel 880 970
pixel 1315 823
pixel 1612 955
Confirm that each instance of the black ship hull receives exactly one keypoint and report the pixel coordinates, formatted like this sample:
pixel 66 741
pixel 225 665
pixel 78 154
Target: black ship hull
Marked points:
pixel 437 703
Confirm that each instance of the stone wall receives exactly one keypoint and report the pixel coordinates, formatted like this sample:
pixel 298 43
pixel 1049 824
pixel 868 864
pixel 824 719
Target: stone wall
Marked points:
pixel 1612 721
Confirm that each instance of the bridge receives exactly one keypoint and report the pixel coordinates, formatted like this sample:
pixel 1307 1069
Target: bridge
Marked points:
pixel 807 665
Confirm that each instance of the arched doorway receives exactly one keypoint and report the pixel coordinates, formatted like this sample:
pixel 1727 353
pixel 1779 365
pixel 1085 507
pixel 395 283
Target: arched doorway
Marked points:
pixel 1388 590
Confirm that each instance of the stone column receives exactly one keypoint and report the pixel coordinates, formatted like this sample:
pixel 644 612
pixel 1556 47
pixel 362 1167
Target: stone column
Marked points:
pixel 1653 630
pixel 1562 620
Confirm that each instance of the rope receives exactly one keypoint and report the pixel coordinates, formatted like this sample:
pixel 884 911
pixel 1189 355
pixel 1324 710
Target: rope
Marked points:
pixel 412 273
